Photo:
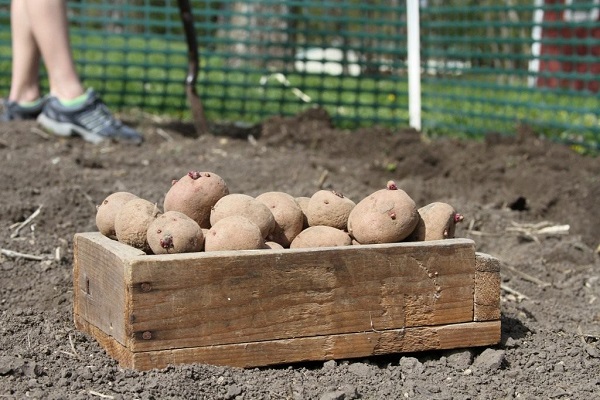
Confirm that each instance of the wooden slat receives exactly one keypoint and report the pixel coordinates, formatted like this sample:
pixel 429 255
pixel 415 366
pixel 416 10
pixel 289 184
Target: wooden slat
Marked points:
pixel 343 346
pixel 319 348
pixel 487 288
pixel 256 308
pixel 237 297
pixel 110 344
pixel 99 283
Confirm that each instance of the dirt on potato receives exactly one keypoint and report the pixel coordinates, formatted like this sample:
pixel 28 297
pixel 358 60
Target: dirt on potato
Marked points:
pixel 529 202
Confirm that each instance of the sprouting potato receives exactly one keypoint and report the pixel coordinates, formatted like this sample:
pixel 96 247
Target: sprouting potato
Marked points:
pixel 245 206
pixel 386 216
pixel 289 219
pixel 303 203
pixel 132 222
pixel 437 221
pixel 273 245
pixel 195 194
pixel 330 208
pixel 174 232
pixel 321 236
pixel 234 233
pixel 107 211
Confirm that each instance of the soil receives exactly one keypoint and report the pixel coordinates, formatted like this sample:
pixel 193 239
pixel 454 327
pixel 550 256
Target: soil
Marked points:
pixel 529 202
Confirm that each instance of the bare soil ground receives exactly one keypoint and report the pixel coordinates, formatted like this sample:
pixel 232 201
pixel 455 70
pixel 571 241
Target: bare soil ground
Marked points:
pixel 508 188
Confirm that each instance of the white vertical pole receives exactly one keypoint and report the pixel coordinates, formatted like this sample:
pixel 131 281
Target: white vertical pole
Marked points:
pixel 414 63
pixel 536 46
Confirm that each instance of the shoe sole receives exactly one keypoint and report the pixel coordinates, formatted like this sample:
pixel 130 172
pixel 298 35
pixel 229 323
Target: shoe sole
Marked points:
pixel 66 129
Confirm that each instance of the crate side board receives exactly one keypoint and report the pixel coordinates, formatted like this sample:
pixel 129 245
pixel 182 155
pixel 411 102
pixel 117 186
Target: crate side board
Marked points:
pixel 99 284
pixel 240 297
pixel 487 288
pixel 321 348
pixel 112 346
pixel 411 297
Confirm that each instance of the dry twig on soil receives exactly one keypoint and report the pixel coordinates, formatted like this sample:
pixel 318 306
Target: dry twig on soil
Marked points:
pixel 16 254
pixel 27 221
pixel 104 396
pixel 471 231
pixel 86 195
pixel 533 231
pixel 527 277
pixel 520 296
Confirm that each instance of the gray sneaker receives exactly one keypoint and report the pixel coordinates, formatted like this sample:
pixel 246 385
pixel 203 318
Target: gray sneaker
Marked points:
pixel 92 121
pixel 13 111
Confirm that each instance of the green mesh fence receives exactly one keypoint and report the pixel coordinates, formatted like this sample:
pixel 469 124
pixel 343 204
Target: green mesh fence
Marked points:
pixel 485 68
pixel 493 68
pixel 258 58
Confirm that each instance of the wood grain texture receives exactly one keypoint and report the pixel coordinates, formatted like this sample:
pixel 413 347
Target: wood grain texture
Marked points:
pixel 320 348
pixel 99 283
pixel 239 297
pixel 486 301
pixel 263 307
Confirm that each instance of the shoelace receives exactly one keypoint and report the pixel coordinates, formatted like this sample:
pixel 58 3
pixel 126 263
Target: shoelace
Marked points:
pixel 99 118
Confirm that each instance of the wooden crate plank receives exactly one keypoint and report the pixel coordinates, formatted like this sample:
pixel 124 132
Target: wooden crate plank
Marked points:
pixel 237 297
pixel 269 307
pixel 343 346
pixel 110 344
pixel 99 283
pixel 487 288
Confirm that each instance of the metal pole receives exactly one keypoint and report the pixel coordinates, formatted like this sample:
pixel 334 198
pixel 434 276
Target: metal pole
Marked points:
pixel 414 63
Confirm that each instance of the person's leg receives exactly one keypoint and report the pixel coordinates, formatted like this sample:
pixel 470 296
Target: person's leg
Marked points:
pixel 25 56
pixel 69 109
pixel 49 26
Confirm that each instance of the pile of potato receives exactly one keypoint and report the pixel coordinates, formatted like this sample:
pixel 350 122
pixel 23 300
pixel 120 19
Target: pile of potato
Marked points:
pixel 199 214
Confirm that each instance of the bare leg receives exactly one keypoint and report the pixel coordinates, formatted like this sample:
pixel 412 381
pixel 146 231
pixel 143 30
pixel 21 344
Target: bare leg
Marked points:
pixel 49 27
pixel 25 56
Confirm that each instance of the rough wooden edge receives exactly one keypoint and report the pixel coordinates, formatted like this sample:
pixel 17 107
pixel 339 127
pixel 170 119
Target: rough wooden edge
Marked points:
pixel 99 282
pixel 112 346
pixel 486 300
pixel 256 297
pixel 318 348
pixel 126 252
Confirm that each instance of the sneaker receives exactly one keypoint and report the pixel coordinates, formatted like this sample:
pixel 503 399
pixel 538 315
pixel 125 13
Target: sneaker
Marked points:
pixel 92 121
pixel 13 111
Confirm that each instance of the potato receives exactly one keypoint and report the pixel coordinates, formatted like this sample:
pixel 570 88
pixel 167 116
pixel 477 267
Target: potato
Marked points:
pixel 303 203
pixel 107 211
pixel 132 222
pixel 234 233
pixel 245 206
pixel 289 219
pixel 436 221
pixel 273 246
pixel 321 236
pixel 386 216
pixel 330 208
pixel 174 232
pixel 195 194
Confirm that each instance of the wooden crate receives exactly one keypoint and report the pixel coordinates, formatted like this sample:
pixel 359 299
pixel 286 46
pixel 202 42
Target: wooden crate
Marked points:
pixel 264 307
